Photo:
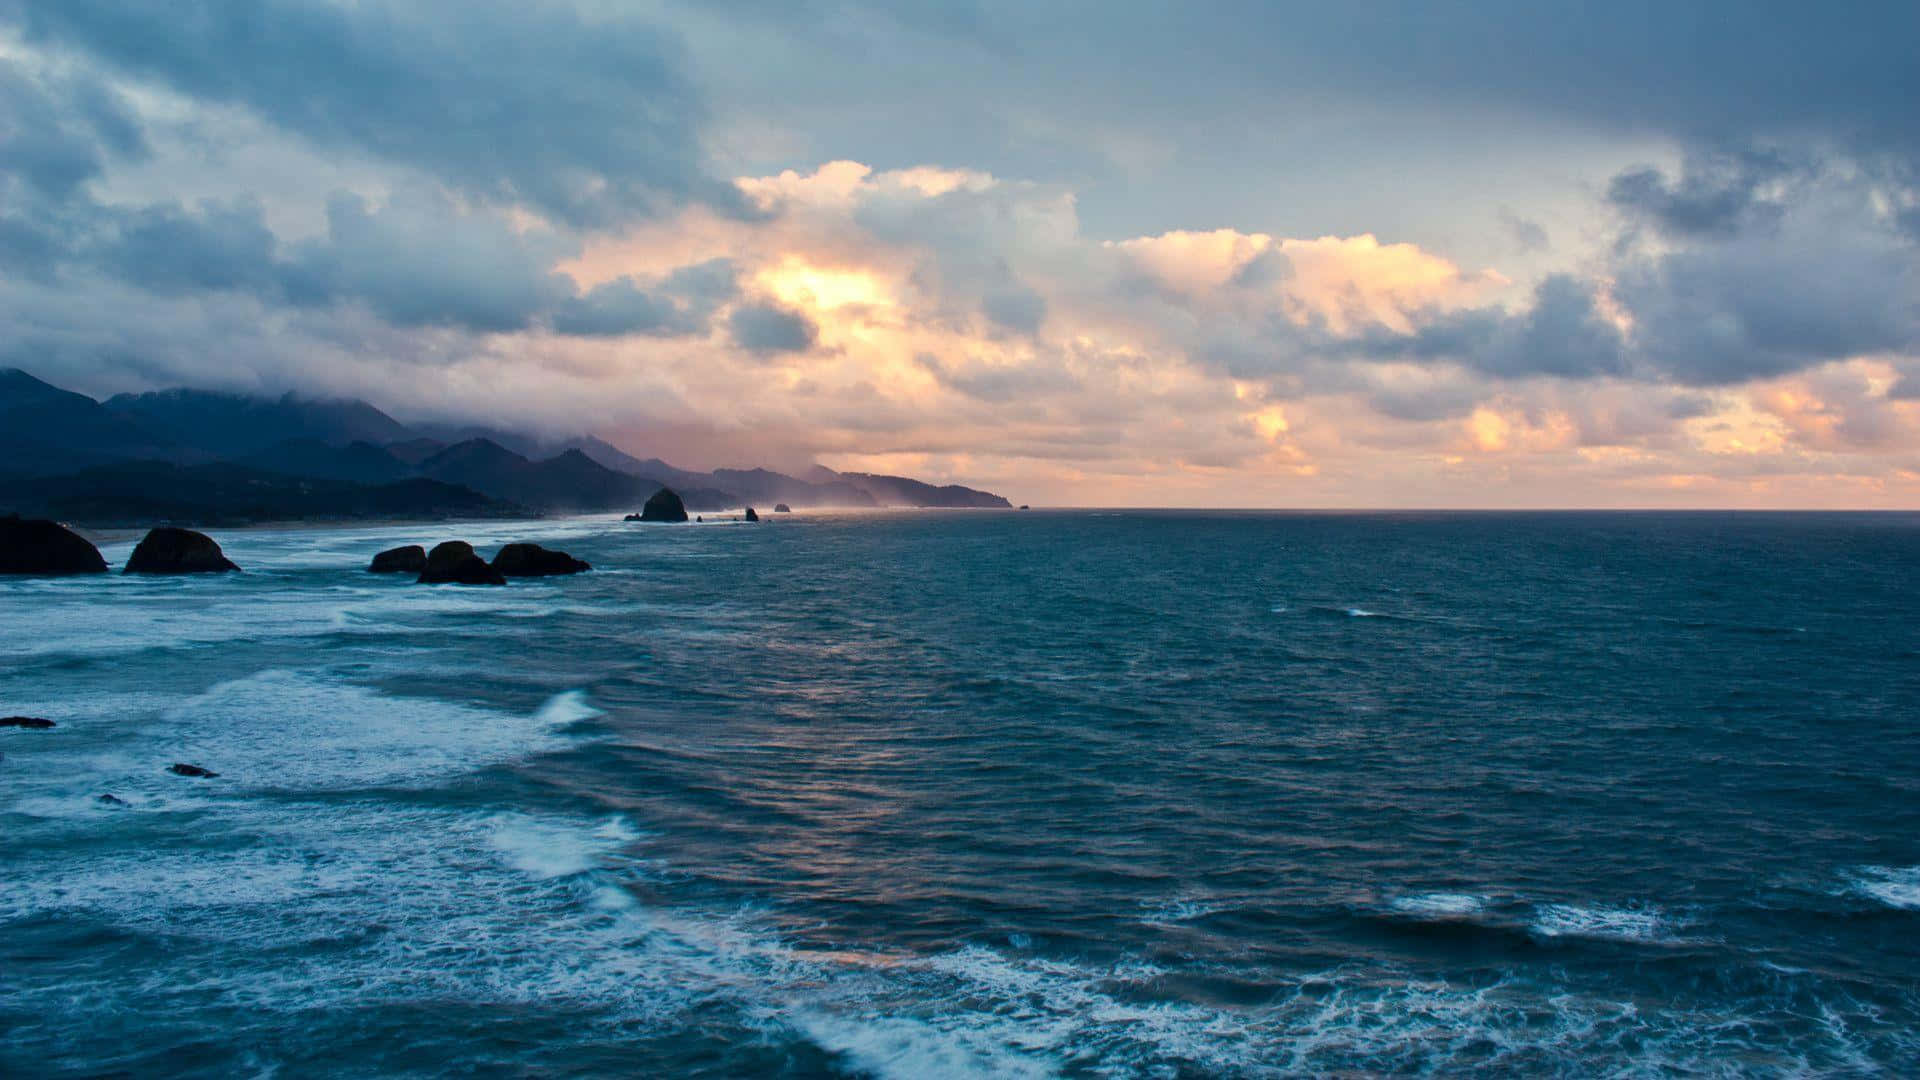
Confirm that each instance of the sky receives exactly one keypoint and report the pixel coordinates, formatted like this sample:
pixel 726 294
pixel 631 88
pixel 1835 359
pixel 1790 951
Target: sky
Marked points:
pixel 1490 253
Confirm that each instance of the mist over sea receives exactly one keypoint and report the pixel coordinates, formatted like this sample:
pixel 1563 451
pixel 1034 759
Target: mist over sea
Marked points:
pixel 978 793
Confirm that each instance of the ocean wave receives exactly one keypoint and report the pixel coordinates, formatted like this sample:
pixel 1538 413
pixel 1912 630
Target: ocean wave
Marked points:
pixel 1645 925
pixel 1894 886
pixel 1444 905
pixel 1181 909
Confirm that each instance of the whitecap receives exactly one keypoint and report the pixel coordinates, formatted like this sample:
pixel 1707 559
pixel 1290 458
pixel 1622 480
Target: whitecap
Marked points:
pixel 1635 924
pixel 1894 886
pixel 1439 905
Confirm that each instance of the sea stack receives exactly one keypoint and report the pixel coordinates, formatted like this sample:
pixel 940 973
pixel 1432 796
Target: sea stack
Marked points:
pixel 168 550
pixel 532 560
pixel 411 559
pixel 751 516
pixel 37 546
pixel 782 508
pixel 454 563
pixel 664 506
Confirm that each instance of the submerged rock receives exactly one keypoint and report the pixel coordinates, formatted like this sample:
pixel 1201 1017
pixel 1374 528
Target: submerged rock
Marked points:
pixel 454 563
pixel 751 516
pixel 35 722
pixel 168 550
pixel 110 800
pixel 664 506
pixel 532 560
pixel 38 546
pixel 410 559
pixel 782 508
pixel 181 768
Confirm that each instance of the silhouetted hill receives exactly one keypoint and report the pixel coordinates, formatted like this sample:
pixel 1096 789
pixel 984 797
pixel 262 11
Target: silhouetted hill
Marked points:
pixel 46 429
pixel 906 491
pixel 359 462
pixel 280 446
pixel 143 493
pixel 232 425
pixel 568 481
pixel 415 451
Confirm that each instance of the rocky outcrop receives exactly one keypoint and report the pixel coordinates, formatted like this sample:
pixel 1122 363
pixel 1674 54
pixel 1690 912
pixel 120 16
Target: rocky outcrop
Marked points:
pixel 751 516
pixel 664 506
pixel 178 551
pixel 411 559
pixel 532 560
pixel 109 799
pixel 454 563
pixel 35 546
pixel 181 768
pixel 35 722
pixel 782 508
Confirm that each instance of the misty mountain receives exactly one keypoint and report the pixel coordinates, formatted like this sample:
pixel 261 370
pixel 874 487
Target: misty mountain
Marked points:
pixel 229 425
pixel 44 428
pixel 568 481
pixel 767 486
pixel 906 491
pixel 156 454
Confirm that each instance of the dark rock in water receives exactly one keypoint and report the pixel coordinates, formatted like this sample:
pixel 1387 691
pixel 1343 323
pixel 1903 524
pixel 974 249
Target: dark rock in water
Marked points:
pixel 782 508
pixel 1024 506
pixel 110 800
pixel 532 560
pixel 36 546
pixel 751 516
pixel 664 506
pixel 698 519
pixel 631 517
pixel 181 768
pixel 454 563
pixel 178 551
pixel 35 722
pixel 411 559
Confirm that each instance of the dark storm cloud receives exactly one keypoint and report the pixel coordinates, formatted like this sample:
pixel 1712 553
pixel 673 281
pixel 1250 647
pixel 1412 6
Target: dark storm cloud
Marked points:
pixel 1716 195
pixel 767 328
pixel 58 133
pixel 682 304
pixel 1561 334
pixel 1755 309
pixel 169 250
pixel 588 119
pixel 1714 70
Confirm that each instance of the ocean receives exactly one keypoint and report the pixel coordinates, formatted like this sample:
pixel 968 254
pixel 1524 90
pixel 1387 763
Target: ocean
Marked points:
pixel 926 794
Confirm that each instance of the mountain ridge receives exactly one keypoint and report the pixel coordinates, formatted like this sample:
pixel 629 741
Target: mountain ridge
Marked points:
pixel 325 447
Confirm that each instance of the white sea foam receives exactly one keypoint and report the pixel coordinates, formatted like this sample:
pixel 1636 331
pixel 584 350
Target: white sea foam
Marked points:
pixel 1894 886
pixel 297 729
pixel 1636 924
pixel 1439 904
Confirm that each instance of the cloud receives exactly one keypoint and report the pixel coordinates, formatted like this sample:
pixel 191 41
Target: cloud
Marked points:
pixel 588 119
pixel 1529 237
pixel 682 304
pixel 1717 195
pixel 769 328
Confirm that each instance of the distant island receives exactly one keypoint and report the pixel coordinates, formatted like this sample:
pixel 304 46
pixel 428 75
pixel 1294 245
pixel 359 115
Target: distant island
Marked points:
pixel 209 458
